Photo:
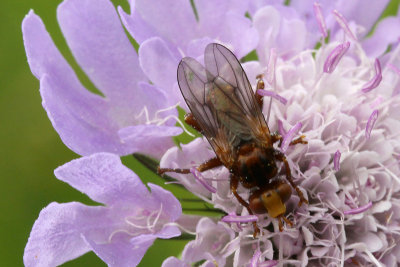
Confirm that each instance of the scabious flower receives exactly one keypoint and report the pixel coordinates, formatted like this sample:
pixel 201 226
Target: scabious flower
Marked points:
pixel 119 232
pixel 334 84
pixel 345 103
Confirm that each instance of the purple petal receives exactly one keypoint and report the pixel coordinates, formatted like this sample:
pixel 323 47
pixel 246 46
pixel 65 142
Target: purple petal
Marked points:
pixel 359 209
pixel 75 113
pixel 376 80
pixel 336 161
pixel 239 219
pixel 152 139
pixel 122 251
pixel 289 136
pixel 320 19
pixel 334 57
pixel 263 92
pixel 271 67
pixel 174 262
pixel 370 124
pixel 255 259
pixel 149 18
pixel 270 263
pixel 344 24
pixel 95 35
pixel 104 179
pixel 172 206
pixel 56 235
pixel 387 32
pixel 157 61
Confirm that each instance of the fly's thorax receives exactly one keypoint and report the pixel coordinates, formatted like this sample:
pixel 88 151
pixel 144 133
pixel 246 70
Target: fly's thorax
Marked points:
pixel 255 166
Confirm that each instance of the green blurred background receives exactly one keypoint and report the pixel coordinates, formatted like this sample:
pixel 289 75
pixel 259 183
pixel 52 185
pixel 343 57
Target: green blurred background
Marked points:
pixel 31 149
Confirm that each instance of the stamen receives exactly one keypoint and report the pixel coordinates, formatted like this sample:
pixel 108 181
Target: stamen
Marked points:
pixel 270 263
pixel 156 219
pixel 394 68
pixel 178 121
pixel 255 259
pixel 344 24
pixel 335 56
pixel 280 128
pixel 358 210
pixel 199 177
pixel 320 19
pixel 289 136
pixel 336 160
pixel 263 92
pixel 239 219
pixel 370 124
pixel 376 80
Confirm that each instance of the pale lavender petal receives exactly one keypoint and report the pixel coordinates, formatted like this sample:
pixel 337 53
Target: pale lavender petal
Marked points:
pixel 263 92
pixel 176 26
pixel 344 24
pixel 239 219
pixel 271 263
pixel 136 25
pixel 271 67
pixel 289 136
pixel 376 80
pixel 364 12
pixel 255 259
pixel 174 262
pixel 370 124
pixel 123 251
pixel 320 19
pixel 56 235
pixel 199 177
pixel 152 139
pixel 171 206
pixel 158 62
pixel 359 209
pixel 335 56
pixel 86 122
pixel 103 178
pixel 336 161
pixel 96 37
pixel 387 32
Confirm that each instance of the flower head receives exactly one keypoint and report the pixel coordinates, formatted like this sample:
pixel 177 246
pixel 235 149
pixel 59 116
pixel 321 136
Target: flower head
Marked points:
pixel 119 232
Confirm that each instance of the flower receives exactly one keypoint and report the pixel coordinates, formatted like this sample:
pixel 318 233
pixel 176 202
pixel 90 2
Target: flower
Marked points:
pixel 133 116
pixel 119 232
pixel 346 104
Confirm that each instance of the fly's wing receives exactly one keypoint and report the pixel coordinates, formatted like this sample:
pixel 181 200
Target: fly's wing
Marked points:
pixel 192 80
pixel 233 97
pixel 221 99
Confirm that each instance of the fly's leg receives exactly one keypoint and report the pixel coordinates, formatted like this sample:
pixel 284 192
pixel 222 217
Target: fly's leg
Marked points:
pixel 209 164
pixel 281 157
pixel 277 137
pixel 260 85
pixel 191 120
pixel 287 221
pixel 234 186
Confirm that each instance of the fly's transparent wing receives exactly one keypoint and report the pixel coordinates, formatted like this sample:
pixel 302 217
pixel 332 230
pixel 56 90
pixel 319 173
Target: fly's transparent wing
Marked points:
pixel 221 63
pixel 192 80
